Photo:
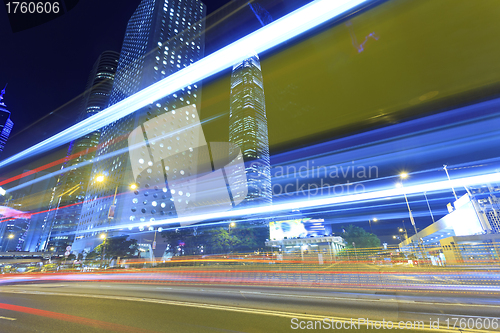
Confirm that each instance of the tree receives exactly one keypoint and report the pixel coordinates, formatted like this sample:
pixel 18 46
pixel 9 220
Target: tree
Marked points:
pixel 360 237
pixel 218 240
pixel 186 239
pixel 115 247
pixel 249 238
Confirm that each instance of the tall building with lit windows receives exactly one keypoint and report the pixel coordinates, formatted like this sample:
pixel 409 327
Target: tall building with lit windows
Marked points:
pixel 248 128
pixel 162 37
pixel 59 224
pixel 5 123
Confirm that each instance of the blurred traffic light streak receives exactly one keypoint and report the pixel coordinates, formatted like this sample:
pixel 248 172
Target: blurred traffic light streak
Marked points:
pixel 322 201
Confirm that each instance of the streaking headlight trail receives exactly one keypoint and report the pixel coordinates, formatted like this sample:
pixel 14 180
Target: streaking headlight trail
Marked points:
pixel 289 26
pixel 305 204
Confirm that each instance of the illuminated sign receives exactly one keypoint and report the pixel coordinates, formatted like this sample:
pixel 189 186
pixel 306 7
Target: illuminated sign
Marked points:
pixel 298 228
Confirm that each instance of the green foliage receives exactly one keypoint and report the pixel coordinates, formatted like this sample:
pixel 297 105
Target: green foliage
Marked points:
pixel 360 237
pixel 247 238
pixel 218 240
pixel 115 247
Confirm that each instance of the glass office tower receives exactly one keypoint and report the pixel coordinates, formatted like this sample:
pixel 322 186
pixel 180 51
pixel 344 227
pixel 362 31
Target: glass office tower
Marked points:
pixel 162 37
pixel 248 128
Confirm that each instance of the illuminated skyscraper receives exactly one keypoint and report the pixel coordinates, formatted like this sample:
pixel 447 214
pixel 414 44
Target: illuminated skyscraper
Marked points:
pixel 248 128
pixel 5 123
pixel 162 37
pixel 65 206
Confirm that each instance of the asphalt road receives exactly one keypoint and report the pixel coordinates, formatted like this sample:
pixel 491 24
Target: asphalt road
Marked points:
pixel 119 307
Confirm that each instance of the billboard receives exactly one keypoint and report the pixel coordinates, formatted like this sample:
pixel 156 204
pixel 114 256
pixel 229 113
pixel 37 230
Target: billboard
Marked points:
pixel 298 228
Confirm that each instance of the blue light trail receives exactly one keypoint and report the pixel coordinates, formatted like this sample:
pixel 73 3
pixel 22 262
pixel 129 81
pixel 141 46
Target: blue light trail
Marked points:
pixel 273 34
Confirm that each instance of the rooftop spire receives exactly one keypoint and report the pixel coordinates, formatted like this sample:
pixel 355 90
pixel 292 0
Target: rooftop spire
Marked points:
pixel 3 92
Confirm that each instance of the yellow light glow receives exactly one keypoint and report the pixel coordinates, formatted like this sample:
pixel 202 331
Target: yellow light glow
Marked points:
pixel 99 178
pixel 11 236
pixel 403 175
pixel 375 219
pixel 133 186
pixel 103 236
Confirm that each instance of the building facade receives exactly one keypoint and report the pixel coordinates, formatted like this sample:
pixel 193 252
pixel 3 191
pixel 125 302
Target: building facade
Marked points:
pixel 5 123
pixel 162 37
pixel 59 224
pixel 248 128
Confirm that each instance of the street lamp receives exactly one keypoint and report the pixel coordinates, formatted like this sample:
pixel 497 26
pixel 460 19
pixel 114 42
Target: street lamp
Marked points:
pixel 428 205
pixel 232 224
pixel 448 175
pixel 103 237
pixel 403 232
pixel 404 175
pixel 8 241
pixel 111 211
pixel 370 221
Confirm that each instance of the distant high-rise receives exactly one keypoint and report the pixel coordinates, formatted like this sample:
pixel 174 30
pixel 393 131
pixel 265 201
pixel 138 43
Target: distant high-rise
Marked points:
pixel 59 225
pixel 248 128
pixel 162 37
pixel 31 196
pixel 5 123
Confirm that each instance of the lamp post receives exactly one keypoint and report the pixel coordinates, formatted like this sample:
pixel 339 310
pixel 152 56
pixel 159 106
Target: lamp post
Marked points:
pixel 103 237
pixel 428 205
pixel 8 241
pixel 403 232
pixel 111 211
pixel 231 225
pixel 370 221
pixel 404 175
pixel 448 175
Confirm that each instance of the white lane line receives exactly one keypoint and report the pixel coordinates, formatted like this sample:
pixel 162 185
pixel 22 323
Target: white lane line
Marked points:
pixel 7 318
pixel 370 300
pixel 449 315
pixel 401 301
pixel 224 308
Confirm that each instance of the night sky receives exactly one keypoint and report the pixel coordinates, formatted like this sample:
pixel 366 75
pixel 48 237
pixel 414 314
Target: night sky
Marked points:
pixel 48 66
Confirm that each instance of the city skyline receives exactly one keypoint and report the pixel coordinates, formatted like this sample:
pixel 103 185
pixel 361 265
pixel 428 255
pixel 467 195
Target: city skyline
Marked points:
pixel 343 161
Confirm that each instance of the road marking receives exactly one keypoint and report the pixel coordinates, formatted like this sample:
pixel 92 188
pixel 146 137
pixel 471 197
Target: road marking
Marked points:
pixel 449 314
pixel 222 307
pixel 7 318
pixel 401 301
